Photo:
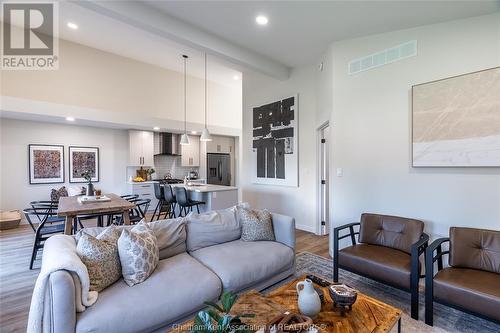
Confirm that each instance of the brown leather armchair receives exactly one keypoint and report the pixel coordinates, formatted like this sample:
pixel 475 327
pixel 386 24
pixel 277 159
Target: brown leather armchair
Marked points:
pixel 472 282
pixel 388 251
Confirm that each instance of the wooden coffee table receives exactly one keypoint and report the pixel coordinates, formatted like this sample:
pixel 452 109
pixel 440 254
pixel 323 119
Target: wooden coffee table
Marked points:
pixel 367 314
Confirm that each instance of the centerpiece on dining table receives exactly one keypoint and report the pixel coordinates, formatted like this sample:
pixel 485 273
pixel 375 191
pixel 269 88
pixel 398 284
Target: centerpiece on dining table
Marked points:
pixel 91 194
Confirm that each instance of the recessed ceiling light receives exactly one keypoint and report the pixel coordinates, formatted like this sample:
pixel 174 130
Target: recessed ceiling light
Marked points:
pixel 72 25
pixel 261 20
pixel 70 118
pixel 236 77
pixel 156 128
pixel 194 132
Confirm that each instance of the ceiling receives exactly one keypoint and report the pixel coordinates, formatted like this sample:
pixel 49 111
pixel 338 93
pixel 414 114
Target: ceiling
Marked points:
pixel 111 35
pixel 300 31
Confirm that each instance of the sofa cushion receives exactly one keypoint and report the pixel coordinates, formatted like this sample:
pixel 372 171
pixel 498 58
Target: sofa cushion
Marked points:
pixel 390 231
pixel 475 248
pixel 177 287
pixel 471 289
pixel 100 256
pixel 170 235
pixel 241 264
pixel 379 262
pixel 212 228
pixel 256 225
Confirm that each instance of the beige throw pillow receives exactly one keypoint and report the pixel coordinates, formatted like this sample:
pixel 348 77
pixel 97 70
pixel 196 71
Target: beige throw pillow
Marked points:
pixel 139 254
pixel 256 225
pixel 100 256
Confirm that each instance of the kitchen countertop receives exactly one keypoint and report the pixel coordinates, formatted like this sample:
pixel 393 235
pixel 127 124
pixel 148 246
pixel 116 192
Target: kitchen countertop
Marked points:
pixel 146 182
pixel 207 188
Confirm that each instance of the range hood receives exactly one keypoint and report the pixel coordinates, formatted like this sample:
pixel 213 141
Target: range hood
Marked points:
pixel 169 144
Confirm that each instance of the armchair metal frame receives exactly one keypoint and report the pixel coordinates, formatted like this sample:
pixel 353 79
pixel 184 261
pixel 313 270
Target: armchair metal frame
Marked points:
pixel 433 253
pixel 417 249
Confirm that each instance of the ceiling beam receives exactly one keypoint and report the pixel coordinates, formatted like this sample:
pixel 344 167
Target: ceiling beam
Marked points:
pixel 153 21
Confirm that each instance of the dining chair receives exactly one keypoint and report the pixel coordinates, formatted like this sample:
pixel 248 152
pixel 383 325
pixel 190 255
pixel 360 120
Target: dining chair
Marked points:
pixel 44 230
pixel 49 207
pixel 137 213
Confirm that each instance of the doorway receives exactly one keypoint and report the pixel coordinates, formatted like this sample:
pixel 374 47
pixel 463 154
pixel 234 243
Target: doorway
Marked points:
pixel 324 180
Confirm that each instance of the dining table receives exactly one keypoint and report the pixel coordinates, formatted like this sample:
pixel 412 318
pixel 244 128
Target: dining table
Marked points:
pixel 72 206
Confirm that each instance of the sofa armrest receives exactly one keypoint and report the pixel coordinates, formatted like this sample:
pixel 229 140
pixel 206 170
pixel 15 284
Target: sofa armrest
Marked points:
pixel 284 229
pixel 60 303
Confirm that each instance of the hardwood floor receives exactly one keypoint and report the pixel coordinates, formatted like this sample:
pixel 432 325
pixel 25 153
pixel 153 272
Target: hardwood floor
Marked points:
pixel 17 281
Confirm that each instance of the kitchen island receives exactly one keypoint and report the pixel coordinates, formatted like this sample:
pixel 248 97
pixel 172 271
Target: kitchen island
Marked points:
pixel 214 196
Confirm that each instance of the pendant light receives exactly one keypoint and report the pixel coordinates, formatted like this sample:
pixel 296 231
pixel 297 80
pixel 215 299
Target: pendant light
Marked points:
pixel 184 137
pixel 205 134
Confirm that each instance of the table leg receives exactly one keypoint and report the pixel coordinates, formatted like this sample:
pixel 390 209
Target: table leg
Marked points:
pixel 68 226
pixel 399 325
pixel 126 217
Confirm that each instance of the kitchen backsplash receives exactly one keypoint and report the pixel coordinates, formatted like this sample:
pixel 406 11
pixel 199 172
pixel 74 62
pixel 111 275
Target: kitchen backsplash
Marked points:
pixel 171 164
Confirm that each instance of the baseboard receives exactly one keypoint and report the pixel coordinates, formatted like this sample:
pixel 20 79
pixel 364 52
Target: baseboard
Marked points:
pixel 307 228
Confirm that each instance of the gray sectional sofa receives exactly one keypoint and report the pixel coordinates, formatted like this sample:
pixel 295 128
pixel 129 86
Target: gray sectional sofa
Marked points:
pixel 200 256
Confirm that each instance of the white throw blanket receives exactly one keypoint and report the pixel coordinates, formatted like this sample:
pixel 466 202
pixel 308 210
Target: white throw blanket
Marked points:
pixel 59 253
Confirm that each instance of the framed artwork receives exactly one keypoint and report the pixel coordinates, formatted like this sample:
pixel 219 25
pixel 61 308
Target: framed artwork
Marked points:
pixel 275 148
pixel 46 164
pixel 82 159
pixel 456 121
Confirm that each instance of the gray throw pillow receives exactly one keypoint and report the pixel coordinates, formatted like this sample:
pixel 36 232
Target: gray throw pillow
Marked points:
pixel 139 254
pixel 100 256
pixel 256 225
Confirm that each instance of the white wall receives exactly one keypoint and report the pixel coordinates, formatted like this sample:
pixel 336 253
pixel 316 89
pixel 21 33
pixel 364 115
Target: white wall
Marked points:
pixel 372 127
pixel 16 135
pixel 299 202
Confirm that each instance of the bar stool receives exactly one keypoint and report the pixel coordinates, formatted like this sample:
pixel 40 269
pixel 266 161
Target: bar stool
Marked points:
pixel 170 198
pixel 186 204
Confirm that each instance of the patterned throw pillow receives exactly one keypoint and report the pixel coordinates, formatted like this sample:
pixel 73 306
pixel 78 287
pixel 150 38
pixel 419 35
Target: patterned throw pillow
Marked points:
pixel 100 256
pixel 139 253
pixel 256 225
pixel 56 194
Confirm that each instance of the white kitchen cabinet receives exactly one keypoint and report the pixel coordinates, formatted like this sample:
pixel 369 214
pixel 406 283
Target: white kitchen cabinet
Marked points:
pixel 141 148
pixel 145 190
pixel 191 152
pixel 221 144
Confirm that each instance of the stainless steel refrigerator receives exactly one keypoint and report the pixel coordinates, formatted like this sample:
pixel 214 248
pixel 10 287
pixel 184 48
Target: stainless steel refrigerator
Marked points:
pixel 219 169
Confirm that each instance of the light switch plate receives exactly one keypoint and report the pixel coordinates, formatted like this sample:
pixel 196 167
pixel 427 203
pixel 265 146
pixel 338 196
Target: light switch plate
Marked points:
pixel 340 172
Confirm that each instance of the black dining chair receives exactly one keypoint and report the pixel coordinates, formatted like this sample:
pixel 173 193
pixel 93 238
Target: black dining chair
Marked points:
pixel 129 197
pixel 135 214
pixel 50 208
pixel 186 204
pixel 44 230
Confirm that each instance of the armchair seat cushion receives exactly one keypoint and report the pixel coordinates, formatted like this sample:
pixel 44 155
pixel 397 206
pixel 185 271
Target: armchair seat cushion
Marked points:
pixel 378 262
pixel 475 290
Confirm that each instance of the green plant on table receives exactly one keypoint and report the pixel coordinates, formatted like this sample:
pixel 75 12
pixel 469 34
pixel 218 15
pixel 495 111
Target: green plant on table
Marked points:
pixel 217 319
pixel 87 175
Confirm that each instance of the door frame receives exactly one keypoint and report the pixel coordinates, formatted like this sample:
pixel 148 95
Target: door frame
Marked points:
pixel 319 166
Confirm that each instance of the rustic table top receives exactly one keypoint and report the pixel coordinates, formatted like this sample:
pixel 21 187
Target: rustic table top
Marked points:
pixel 367 314
pixel 70 206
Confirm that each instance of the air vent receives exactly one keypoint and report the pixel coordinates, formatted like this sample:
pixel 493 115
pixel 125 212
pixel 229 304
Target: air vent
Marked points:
pixel 387 56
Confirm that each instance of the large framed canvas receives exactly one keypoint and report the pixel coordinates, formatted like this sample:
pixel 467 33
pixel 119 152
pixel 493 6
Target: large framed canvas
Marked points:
pixel 456 121
pixel 46 164
pixel 82 159
pixel 275 147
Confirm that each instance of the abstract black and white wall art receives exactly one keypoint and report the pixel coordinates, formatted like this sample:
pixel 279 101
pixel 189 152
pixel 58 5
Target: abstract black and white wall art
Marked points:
pixel 275 142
